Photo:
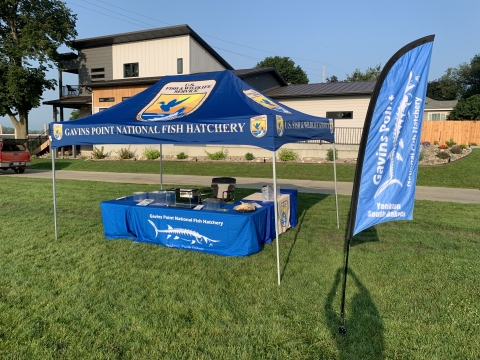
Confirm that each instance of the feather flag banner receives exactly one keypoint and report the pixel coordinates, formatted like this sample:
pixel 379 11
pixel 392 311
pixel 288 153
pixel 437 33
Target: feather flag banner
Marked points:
pixel 387 167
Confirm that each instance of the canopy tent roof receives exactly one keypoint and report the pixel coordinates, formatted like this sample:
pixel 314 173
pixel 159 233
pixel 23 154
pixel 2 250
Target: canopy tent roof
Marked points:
pixel 207 108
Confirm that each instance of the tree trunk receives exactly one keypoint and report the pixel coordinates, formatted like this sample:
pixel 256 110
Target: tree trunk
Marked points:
pixel 21 126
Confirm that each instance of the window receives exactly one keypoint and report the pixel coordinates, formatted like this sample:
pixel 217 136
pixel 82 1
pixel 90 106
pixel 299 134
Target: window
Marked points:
pixel 130 70
pixel 125 98
pixel 98 76
pixel 111 99
pixel 97 70
pixel 339 115
pixel 436 116
pixel 180 66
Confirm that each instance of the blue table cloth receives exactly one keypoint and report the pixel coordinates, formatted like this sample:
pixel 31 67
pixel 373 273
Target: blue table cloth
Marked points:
pixel 226 232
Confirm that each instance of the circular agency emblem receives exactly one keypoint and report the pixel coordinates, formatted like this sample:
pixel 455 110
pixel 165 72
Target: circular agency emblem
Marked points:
pixel 258 126
pixel 57 131
pixel 280 125
pixel 177 99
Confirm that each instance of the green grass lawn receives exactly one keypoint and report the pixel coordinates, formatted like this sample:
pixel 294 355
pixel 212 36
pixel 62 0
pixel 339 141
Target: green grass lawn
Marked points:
pixel 464 173
pixel 413 290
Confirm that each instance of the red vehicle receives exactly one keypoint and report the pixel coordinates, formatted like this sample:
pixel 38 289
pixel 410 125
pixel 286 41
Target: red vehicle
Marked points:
pixel 14 155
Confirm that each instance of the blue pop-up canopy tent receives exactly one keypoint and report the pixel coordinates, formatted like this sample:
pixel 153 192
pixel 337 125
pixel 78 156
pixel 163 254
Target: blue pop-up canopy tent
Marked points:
pixel 208 108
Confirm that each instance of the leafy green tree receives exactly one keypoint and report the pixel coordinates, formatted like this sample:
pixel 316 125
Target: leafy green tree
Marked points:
pixel 30 33
pixel 458 83
pixel 332 78
pixel 371 74
pixel 75 114
pixel 468 109
pixel 472 78
pixel 285 67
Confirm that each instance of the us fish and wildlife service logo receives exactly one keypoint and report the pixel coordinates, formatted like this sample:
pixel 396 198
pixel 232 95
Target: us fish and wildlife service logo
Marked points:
pixel 177 99
pixel 258 126
pixel 280 125
pixel 57 131
pixel 332 126
pixel 262 100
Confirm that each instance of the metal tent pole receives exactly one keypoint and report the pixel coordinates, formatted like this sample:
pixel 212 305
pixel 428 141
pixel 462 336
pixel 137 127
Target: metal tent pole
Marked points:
pixel 275 209
pixel 161 170
pixel 335 181
pixel 54 191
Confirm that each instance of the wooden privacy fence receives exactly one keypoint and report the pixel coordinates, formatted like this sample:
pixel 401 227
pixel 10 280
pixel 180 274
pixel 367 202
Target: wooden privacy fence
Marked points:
pixel 462 132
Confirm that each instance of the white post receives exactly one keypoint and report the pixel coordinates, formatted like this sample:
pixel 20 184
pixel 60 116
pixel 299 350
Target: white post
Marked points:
pixel 161 170
pixel 275 208
pixel 335 180
pixel 52 152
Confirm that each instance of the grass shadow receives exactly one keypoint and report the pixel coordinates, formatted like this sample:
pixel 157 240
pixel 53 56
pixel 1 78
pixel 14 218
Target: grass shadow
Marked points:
pixel 365 337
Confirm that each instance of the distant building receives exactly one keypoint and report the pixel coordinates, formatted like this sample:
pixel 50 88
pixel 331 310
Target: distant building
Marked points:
pixel 436 110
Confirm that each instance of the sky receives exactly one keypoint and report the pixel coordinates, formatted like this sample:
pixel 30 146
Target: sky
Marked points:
pixel 325 38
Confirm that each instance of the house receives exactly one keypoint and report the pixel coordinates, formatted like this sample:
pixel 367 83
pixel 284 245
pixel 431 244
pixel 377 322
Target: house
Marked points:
pixel 113 68
pixel 436 110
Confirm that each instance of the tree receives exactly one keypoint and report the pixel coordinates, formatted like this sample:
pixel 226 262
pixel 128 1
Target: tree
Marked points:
pixel 371 74
pixel 30 33
pixel 285 67
pixel 468 109
pixel 332 78
pixel 75 114
pixel 458 83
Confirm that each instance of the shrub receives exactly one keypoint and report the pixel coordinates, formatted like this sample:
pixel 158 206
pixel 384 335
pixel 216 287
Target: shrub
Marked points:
pixel 436 142
pixel 151 153
pixel 124 153
pixel 330 154
pixel 219 155
pixel 456 149
pixel 287 155
pixel 181 156
pixel 450 143
pixel 421 156
pixel 249 156
pixel 473 144
pixel 463 146
pixel 426 143
pixel 98 154
pixel 443 155
pixel 443 146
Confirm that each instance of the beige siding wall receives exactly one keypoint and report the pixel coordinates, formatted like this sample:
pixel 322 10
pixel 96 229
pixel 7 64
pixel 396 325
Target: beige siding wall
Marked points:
pixel 154 57
pixel 320 106
pixel 201 60
pixel 93 59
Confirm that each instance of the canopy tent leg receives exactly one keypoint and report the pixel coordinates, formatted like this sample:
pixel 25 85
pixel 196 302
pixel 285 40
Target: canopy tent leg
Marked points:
pixel 52 151
pixel 335 181
pixel 275 209
pixel 161 170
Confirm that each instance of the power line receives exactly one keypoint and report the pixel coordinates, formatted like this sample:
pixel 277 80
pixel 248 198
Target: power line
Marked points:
pixel 147 25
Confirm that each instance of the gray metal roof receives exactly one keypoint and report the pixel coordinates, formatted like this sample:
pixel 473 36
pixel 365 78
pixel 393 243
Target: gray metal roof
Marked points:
pixel 151 34
pixel 324 89
pixel 431 104
pixel 243 73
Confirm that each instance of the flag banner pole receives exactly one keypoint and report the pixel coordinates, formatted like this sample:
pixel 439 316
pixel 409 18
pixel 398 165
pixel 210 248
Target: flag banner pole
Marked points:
pixel 387 162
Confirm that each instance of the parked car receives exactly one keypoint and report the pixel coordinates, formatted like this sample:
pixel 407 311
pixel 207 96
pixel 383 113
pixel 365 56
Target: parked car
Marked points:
pixel 14 154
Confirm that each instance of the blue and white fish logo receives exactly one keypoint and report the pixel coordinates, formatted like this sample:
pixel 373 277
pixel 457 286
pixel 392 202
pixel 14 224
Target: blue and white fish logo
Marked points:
pixel 395 154
pixel 187 235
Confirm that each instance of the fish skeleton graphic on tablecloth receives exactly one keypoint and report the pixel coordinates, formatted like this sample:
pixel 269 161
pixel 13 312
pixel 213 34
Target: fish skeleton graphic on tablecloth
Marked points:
pixel 398 142
pixel 190 236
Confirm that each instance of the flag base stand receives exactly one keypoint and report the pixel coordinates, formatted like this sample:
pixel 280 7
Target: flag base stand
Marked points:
pixel 342 330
